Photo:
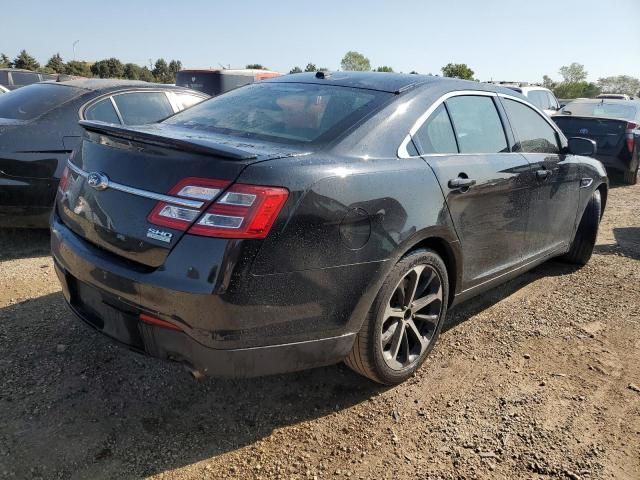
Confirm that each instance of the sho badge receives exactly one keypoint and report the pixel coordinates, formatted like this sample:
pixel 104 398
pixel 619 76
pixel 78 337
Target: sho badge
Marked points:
pixel 98 180
pixel 159 235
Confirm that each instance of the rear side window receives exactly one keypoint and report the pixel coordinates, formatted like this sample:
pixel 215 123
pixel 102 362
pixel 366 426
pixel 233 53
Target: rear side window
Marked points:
pixel 436 134
pixel 102 111
pixel 539 98
pixel 186 100
pixel 143 107
pixel 477 124
pixel 286 112
pixel 34 100
pixel 533 133
pixel 24 78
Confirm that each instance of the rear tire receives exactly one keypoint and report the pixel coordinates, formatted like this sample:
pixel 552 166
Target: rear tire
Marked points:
pixel 404 321
pixel 585 239
pixel 630 177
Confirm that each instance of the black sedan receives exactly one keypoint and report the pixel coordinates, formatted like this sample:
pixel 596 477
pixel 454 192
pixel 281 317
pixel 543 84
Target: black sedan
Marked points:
pixel 310 219
pixel 614 125
pixel 39 129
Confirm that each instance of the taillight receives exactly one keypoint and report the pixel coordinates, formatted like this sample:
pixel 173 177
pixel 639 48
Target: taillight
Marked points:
pixel 64 180
pixel 180 217
pixel 631 140
pixel 243 211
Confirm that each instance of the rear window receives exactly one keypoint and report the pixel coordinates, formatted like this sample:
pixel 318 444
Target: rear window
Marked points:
pixel 601 109
pixel 212 83
pixel 286 112
pixel 30 102
pixel 24 78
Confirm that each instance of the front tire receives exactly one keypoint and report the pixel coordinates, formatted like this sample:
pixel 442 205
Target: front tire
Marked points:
pixel 585 239
pixel 404 321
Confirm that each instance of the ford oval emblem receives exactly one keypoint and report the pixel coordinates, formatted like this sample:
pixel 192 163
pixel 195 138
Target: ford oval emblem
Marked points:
pixel 97 180
pixel 583 131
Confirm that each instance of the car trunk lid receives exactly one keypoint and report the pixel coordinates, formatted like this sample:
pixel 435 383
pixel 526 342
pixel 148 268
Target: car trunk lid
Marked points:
pixel 608 133
pixel 118 176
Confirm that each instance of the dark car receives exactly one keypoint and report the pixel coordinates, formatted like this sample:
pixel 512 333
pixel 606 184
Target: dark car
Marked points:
pixel 13 78
pixel 218 81
pixel 614 125
pixel 39 129
pixel 310 219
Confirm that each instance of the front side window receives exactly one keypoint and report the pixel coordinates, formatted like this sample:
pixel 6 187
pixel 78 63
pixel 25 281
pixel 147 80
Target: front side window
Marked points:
pixel 436 134
pixel 24 78
pixel 102 111
pixel 477 124
pixel 285 112
pixel 533 133
pixel 139 108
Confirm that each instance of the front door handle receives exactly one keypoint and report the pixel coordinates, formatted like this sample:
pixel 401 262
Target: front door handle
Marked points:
pixel 543 174
pixel 461 182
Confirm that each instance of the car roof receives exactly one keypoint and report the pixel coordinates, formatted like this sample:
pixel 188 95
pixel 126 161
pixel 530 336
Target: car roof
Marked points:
pixel 17 70
pixel 381 81
pixel 104 84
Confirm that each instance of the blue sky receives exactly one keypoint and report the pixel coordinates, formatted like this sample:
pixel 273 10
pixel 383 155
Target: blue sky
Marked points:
pixel 498 39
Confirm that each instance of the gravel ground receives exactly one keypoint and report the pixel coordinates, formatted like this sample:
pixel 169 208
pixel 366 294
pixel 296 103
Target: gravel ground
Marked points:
pixel 536 379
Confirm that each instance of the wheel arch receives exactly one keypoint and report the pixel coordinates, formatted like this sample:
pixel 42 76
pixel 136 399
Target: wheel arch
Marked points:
pixel 604 193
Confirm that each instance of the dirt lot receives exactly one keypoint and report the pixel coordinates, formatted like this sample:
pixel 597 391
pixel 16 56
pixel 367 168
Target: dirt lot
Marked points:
pixel 536 379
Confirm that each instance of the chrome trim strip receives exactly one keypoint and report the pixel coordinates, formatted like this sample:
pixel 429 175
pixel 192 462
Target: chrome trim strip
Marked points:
pixel 586 182
pixel 183 202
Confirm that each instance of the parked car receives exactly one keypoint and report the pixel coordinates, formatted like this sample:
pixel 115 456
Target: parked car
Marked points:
pixel 615 96
pixel 614 125
pixel 217 81
pixel 309 219
pixel 12 78
pixel 541 97
pixel 39 129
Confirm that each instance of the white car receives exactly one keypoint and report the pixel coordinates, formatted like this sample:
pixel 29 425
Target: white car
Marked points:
pixel 541 97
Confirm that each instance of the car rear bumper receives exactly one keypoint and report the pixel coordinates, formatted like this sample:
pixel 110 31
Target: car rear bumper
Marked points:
pixel 611 162
pixel 284 322
pixel 26 202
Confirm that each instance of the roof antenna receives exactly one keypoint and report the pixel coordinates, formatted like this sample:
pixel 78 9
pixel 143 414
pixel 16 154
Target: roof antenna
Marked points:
pixel 322 75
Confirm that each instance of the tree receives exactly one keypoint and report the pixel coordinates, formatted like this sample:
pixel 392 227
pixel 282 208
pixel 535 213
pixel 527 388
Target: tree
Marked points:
pixel 355 61
pixel 619 84
pixel 295 70
pixel 174 67
pixel 26 61
pixel 576 89
pixel 161 72
pixel 413 72
pixel 573 73
pixel 311 67
pixel 56 64
pixel 132 71
pixel 80 69
pixel 256 66
pixel 4 61
pixel 384 68
pixel 548 83
pixel 108 68
pixel 146 75
pixel 457 70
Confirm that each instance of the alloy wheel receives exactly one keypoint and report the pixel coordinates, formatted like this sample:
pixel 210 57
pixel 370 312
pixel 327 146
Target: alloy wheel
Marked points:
pixel 411 317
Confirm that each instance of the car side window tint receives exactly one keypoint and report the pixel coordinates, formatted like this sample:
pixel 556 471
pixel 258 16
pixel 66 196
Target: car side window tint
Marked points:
pixel 436 134
pixel 102 111
pixel 477 124
pixel 553 102
pixel 139 108
pixel 186 100
pixel 24 78
pixel 411 149
pixel 532 131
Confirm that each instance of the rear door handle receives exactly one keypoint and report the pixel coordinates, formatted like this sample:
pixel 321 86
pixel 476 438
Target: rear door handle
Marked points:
pixel 461 182
pixel 543 174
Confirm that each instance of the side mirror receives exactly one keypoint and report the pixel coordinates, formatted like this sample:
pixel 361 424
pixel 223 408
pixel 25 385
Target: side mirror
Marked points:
pixel 582 146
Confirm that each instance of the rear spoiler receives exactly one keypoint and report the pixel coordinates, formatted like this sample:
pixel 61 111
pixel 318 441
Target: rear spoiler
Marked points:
pixel 192 144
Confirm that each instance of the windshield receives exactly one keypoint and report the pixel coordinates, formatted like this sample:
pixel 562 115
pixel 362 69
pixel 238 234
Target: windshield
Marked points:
pixel 287 112
pixel 29 102
pixel 601 109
